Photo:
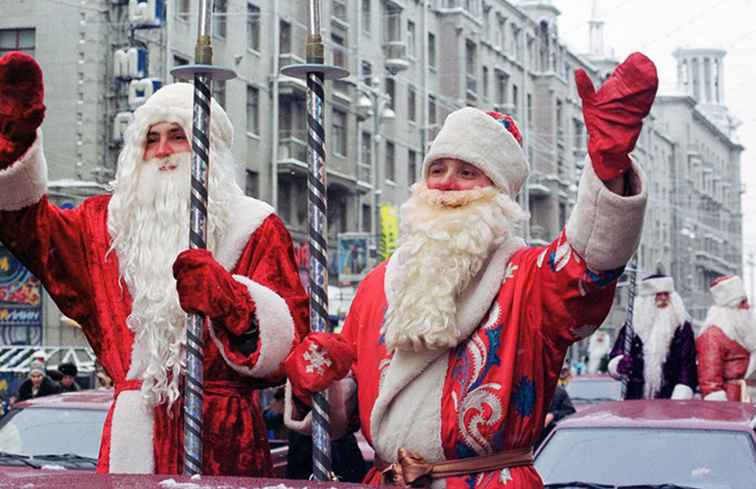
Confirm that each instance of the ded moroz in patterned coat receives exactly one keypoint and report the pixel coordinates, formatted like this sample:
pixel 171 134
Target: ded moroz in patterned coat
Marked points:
pixel 492 391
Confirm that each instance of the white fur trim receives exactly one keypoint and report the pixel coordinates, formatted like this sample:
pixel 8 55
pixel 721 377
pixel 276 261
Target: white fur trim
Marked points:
pixel 751 370
pixel 653 286
pixel 716 396
pixel 398 420
pixel 471 135
pixel 247 215
pixel 342 401
pixel 605 228
pixel 131 445
pixel 25 181
pixel 729 292
pixel 612 367
pixel 276 330
pixel 682 392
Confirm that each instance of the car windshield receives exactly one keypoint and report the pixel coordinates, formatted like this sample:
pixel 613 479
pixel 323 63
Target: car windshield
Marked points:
pixel 44 431
pixel 626 456
pixel 605 389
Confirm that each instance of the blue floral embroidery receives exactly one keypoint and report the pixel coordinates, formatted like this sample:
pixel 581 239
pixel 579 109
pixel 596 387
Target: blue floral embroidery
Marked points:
pixel 524 396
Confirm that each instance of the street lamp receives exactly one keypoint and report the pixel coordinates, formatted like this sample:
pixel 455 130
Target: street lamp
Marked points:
pixel 376 104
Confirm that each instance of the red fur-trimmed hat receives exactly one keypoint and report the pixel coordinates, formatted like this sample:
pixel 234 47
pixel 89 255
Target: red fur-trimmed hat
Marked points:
pixel 728 291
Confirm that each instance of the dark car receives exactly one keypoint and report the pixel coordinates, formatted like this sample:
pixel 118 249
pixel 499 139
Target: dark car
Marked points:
pixel 586 390
pixel 693 444
pixel 63 432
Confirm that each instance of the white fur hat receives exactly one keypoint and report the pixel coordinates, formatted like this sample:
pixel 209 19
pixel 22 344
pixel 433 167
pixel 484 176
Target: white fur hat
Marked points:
pixel 36 366
pixel 728 291
pixel 173 103
pixel 656 284
pixel 477 138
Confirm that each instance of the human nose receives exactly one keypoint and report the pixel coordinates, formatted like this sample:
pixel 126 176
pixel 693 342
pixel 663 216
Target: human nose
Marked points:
pixel 163 148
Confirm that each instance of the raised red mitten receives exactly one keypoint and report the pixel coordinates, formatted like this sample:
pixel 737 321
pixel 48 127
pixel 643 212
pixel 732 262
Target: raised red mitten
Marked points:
pixel 22 107
pixel 205 287
pixel 318 361
pixel 614 115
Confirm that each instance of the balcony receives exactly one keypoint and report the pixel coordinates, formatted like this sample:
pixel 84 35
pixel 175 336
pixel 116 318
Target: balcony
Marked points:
pixel 396 56
pixel 292 151
pixel 537 186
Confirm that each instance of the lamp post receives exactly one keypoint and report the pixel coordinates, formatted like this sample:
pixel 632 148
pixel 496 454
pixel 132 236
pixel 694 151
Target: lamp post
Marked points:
pixel 376 104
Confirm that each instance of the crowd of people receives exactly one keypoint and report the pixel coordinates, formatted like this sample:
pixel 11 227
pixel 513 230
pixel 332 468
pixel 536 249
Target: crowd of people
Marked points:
pixel 450 357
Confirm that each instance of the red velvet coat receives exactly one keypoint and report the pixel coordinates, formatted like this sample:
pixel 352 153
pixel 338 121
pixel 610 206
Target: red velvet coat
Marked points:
pixel 722 363
pixel 68 251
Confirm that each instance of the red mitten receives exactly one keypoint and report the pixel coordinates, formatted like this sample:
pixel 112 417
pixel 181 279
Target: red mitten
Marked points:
pixel 318 361
pixel 614 115
pixel 21 105
pixel 205 287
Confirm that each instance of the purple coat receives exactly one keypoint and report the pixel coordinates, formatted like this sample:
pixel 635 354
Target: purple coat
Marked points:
pixel 679 367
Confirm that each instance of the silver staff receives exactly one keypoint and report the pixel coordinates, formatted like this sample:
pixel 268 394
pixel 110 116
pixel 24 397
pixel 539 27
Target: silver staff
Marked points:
pixel 316 72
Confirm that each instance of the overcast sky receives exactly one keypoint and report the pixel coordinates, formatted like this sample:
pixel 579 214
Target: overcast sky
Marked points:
pixel 656 28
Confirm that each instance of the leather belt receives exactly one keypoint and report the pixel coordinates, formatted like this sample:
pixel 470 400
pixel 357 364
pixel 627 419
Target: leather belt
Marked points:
pixel 411 470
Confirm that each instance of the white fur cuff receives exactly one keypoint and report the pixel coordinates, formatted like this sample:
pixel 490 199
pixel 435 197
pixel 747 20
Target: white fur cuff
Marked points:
pixel 605 228
pixel 24 182
pixel 612 367
pixel 276 330
pixel 716 396
pixel 682 392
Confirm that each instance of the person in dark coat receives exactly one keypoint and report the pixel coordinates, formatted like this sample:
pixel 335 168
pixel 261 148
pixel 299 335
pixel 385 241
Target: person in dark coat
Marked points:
pixel 560 407
pixel 67 382
pixel 37 385
pixel 661 363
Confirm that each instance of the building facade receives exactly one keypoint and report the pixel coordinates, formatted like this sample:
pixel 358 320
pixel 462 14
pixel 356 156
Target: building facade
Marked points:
pixel 411 62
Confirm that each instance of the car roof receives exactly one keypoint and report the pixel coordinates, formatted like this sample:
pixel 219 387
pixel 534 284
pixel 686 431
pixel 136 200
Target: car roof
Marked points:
pixel 665 413
pixel 86 399
pixel 591 377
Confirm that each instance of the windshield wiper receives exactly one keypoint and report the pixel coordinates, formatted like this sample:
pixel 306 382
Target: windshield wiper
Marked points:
pixel 577 484
pixel 66 457
pixel 21 458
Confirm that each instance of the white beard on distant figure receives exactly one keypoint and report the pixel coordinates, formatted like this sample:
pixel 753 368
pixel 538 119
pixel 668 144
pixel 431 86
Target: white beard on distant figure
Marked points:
pixel 598 348
pixel 738 324
pixel 445 238
pixel 656 328
pixel 148 222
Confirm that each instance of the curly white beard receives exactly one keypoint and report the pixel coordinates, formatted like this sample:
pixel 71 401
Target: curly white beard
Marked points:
pixel 598 347
pixel 445 238
pixel 148 222
pixel 656 327
pixel 738 324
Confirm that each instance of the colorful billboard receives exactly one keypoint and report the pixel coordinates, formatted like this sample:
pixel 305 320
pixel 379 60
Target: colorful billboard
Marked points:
pixel 20 303
pixel 352 256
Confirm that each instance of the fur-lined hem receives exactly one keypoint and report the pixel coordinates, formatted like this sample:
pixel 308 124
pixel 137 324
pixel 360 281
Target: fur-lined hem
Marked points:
pixel 682 392
pixel 613 365
pixel 716 396
pixel 131 443
pixel 276 331
pixel 605 228
pixel 24 183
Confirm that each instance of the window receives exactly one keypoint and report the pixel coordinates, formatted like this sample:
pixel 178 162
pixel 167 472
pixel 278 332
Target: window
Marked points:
pixel 339 10
pixel 184 9
pixel 411 31
pixel 485 81
pixel 339 133
pixel 179 61
pixel 431 50
pixel 579 130
pixel 366 214
pixel 432 115
pixel 502 80
pixel 339 51
pixel 515 100
pixel 253 27
pixel 17 40
pixel 367 73
pixel 411 104
pixel 253 110
pixel 390 161
pixel 284 37
pixel 220 9
pixel 411 166
pixel 366 148
pixel 391 92
pixel 502 40
pixel 393 24
pixel 219 92
pixel 252 187
pixel 366 27
pixel 529 101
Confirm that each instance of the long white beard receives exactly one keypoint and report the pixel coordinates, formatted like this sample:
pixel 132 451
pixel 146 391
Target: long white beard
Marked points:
pixel 738 324
pixel 656 328
pixel 598 347
pixel 148 221
pixel 445 238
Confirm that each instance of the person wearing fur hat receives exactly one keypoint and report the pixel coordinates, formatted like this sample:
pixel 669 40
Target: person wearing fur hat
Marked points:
pixel 661 363
pixel 117 265
pixel 37 384
pixel 461 334
pixel 727 344
pixel 68 372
